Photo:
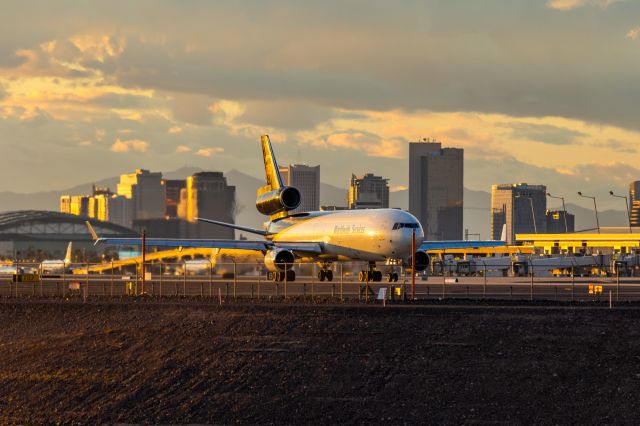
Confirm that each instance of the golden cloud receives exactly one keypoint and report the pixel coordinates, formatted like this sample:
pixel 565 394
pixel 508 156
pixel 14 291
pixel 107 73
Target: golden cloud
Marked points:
pixel 208 152
pixel 182 149
pixel 574 4
pixel 130 145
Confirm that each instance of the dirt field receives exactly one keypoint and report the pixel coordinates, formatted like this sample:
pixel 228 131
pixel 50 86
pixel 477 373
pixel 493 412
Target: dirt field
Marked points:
pixel 151 362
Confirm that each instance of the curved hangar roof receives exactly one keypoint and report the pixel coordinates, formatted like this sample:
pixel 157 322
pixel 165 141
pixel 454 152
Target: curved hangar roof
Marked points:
pixel 54 225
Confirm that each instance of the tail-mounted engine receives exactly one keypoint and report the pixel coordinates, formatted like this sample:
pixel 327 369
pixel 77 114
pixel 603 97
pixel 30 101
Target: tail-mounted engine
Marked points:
pixel 279 260
pixel 422 261
pixel 277 201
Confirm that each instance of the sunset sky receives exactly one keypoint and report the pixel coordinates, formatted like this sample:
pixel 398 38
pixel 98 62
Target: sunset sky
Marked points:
pixel 540 91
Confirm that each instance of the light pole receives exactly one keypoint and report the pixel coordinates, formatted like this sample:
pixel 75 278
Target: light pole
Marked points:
pixel 626 201
pixel 566 228
pixel 533 213
pixel 595 207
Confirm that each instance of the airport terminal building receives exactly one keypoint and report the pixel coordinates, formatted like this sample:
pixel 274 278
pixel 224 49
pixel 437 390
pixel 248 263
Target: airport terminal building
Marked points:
pixel 36 234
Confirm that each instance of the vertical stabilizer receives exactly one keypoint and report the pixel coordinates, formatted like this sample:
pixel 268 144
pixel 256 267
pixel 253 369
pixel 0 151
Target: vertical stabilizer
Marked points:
pixel 274 181
pixel 67 257
pixel 503 237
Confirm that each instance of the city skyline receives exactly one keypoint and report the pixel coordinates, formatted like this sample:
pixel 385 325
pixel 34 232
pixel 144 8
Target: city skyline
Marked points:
pixel 93 86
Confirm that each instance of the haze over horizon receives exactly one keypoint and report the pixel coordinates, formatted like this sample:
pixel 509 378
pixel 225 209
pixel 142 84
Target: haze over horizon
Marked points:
pixel 534 91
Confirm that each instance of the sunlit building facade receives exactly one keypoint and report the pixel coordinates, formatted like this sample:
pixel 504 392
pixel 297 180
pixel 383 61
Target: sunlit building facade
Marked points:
pixel 146 190
pixel 207 195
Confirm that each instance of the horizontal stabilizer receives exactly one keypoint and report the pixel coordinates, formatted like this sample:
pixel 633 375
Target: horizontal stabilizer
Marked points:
pixel 234 226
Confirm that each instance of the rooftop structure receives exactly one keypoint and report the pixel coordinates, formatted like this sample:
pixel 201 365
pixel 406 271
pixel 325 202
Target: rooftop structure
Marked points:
pixel 368 192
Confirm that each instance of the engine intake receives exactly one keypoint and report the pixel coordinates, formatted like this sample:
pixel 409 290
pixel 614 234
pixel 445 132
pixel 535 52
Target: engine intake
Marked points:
pixel 422 260
pixel 279 260
pixel 278 200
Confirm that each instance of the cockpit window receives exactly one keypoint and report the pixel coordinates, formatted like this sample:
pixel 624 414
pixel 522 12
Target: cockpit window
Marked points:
pixel 405 225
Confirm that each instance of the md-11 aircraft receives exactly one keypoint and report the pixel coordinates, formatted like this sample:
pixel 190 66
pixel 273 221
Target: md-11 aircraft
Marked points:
pixel 372 235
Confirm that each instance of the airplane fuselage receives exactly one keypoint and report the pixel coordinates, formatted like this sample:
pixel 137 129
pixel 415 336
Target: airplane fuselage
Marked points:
pixel 369 235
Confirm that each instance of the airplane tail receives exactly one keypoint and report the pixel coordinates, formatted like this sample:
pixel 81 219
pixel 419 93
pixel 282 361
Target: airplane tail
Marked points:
pixel 67 256
pixel 275 199
pixel 274 180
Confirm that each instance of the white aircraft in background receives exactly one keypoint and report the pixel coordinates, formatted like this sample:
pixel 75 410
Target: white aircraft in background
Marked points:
pixel 57 266
pixel 372 235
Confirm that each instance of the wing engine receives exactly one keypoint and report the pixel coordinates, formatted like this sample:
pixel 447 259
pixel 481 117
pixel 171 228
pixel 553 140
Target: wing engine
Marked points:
pixel 279 259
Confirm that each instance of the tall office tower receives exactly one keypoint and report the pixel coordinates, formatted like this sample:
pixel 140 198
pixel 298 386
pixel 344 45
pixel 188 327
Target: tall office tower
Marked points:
pixel 634 203
pixel 146 190
pixel 436 177
pixel 307 180
pixel 75 204
pixel 368 192
pixel 119 210
pixel 172 188
pixel 516 205
pixel 207 195
pixel 556 222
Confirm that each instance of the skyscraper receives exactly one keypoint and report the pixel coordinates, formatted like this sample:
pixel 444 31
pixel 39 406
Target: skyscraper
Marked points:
pixel 516 205
pixel 146 190
pixel 436 177
pixel 634 201
pixel 368 192
pixel 207 195
pixel 307 180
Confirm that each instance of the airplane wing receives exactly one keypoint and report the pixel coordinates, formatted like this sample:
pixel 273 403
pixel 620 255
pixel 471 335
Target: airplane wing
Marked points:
pixel 296 247
pixel 300 247
pixel 172 242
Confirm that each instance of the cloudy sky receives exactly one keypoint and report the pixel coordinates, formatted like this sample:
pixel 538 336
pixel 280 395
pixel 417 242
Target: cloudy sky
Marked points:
pixel 542 91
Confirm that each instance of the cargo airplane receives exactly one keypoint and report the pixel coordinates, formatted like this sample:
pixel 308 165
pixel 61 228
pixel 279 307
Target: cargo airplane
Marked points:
pixel 372 235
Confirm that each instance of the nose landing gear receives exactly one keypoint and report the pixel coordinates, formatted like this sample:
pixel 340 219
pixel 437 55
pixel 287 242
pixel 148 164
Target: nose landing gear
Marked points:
pixel 392 277
pixel 370 275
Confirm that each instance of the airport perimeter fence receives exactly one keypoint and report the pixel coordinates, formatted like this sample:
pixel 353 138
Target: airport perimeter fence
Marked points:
pixel 225 281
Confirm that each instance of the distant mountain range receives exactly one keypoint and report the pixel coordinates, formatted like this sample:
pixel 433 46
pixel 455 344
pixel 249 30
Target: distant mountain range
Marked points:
pixel 476 211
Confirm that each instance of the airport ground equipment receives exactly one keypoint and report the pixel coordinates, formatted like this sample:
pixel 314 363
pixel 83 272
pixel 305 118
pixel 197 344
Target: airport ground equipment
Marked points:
pixel 581 243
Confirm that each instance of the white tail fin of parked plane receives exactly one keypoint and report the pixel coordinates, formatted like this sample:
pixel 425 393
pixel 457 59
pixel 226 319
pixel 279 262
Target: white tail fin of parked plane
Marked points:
pixel 67 256
pixel 503 237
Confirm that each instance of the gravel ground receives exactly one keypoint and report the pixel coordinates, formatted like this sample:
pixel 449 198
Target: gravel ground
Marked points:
pixel 187 362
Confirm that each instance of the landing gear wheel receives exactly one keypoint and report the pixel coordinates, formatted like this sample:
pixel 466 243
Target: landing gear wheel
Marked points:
pixel 377 276
pixel 390 277
pixel 363 276
pixel 395 277
pixel 329 275
pixel 321 275
pixel 290 275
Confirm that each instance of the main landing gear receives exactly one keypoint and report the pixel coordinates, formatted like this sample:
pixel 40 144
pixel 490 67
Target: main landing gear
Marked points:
pixel 279 276
pixel 376 276
pixel 325 274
